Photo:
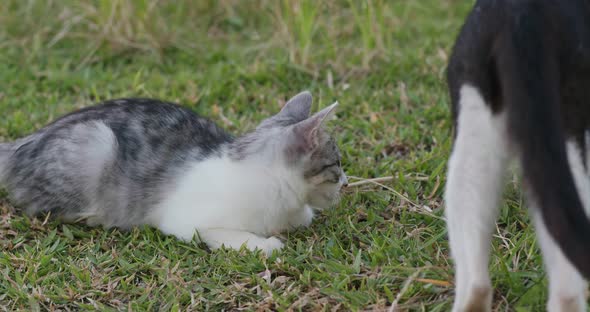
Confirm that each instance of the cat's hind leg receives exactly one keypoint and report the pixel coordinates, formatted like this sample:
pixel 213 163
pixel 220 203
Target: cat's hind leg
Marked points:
pixel 477 167
pixel 567 287
pixel 215 238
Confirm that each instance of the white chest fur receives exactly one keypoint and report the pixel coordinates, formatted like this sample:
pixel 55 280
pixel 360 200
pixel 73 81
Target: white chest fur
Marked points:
pixel 233 203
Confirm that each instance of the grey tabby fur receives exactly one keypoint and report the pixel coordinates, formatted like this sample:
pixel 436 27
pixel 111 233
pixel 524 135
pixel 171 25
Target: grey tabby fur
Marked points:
pixel 111 164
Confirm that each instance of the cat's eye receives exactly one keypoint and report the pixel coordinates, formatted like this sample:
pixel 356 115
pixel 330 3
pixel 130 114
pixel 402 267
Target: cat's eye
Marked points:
pixel 329 165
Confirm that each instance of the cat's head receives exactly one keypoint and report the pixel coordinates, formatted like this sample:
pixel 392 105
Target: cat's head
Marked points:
pixel 294 138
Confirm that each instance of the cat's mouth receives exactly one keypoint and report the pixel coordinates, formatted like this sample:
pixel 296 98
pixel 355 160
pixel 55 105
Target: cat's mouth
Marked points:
pixel 326 201
pixel 334 199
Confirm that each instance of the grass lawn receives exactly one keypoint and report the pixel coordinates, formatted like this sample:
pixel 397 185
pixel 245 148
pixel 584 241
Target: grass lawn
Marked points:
pixel 238 61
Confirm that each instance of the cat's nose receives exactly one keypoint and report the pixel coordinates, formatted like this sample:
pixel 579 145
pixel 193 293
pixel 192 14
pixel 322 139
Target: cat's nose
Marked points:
pixel 344 181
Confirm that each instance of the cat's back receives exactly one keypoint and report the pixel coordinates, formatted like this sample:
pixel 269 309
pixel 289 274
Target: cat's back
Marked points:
pixel 137 124
pixel 150 117
pixel 118 155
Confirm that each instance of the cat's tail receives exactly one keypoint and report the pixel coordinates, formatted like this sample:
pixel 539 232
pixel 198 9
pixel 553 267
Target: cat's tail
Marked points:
pixel 6 149
pixel 528 75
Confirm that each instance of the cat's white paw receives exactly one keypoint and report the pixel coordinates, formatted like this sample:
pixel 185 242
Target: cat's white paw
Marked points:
pixel 307 216
pixel 236 239
pixel 478 298
pixel 270 244
pixel 303 217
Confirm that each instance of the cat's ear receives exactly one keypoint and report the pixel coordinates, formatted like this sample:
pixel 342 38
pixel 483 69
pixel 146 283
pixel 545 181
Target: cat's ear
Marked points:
pixel 297 108
pixel 308 131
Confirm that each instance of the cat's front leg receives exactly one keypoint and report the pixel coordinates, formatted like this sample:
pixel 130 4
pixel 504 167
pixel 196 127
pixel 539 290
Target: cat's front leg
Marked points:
pixel 215 238
pixel 302 218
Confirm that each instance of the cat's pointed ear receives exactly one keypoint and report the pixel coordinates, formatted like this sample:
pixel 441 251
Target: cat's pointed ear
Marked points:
pixel 308 131
pixel 297 108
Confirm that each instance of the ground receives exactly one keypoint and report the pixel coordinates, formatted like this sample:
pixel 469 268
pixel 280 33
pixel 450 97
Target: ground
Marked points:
pixel 385 244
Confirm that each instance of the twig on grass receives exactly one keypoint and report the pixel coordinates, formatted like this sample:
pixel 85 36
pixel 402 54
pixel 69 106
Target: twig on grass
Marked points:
pixel 407 284
pixel 377 181
pixel 370 181
pixel 398 194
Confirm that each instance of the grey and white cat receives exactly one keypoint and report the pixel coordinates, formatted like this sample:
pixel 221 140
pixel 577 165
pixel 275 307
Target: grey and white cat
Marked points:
pixel 132 162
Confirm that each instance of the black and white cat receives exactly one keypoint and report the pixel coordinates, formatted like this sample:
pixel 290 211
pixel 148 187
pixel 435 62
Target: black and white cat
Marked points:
pixel 519 80
pixel 131 162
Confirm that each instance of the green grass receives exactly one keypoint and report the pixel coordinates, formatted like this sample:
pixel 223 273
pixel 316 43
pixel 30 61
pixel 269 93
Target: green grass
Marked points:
pixel 237 62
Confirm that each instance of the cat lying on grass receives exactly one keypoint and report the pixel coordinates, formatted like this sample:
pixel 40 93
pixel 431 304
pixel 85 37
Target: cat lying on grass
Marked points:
pixel 131 162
